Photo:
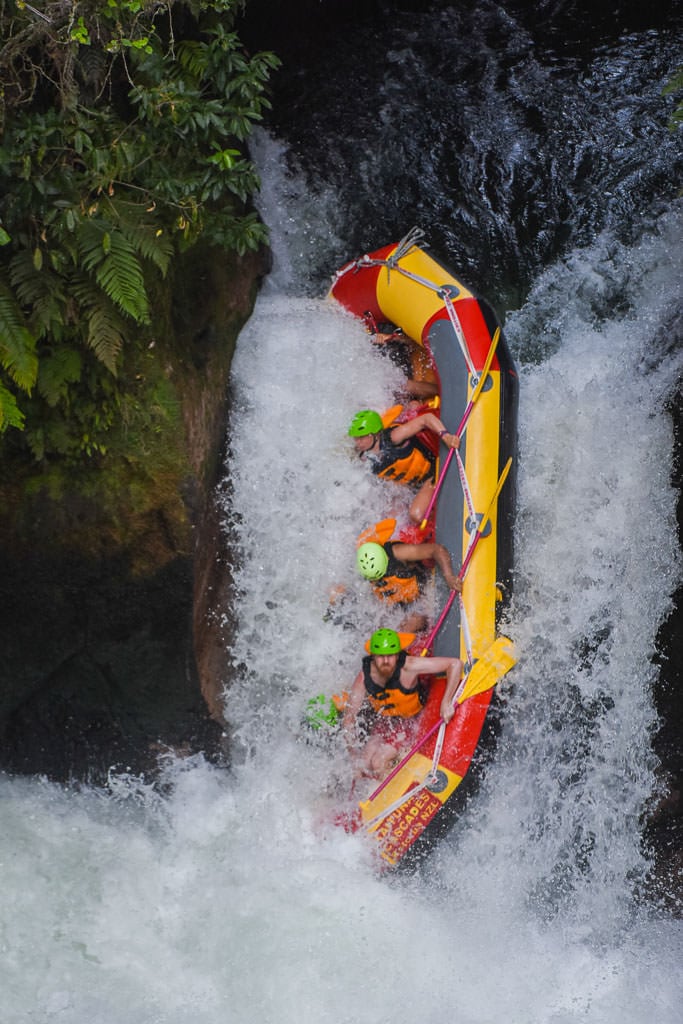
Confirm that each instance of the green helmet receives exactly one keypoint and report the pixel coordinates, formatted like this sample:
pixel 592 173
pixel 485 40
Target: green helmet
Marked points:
pixel 321 711
pixel 365 422
pixel 385 641
pixel 372 561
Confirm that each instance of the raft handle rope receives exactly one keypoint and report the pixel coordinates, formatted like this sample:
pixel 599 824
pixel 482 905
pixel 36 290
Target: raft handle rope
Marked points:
pixel 445 294
pixel 465 487
pixel 413 238
pixel 466 635
pixel 467 640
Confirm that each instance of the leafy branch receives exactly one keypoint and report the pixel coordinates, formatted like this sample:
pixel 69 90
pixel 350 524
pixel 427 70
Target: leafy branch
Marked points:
pixel 122 127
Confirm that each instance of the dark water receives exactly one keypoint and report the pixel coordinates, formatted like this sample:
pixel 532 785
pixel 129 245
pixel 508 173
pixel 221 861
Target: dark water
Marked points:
pixel 512 132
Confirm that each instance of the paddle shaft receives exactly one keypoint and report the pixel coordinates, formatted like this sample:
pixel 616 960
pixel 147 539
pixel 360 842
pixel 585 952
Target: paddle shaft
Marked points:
pixel 439 622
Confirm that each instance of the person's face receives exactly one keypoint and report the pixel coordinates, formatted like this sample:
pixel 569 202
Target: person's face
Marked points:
pixel 385 664
pixel 365 443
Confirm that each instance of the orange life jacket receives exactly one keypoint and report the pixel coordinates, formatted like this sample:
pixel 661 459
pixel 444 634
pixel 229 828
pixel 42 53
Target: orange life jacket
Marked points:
pixel 380 533
pixel 407 462
pixel 411 533
pixel 402 582
pixel 392 699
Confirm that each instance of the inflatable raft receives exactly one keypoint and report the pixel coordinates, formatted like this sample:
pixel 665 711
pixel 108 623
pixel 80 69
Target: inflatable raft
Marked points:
pixel 472 516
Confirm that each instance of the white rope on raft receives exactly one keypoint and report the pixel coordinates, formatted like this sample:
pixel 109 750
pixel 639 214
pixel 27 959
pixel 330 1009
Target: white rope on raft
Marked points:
pixel 467 493
pixel 414 238
pixel 457 327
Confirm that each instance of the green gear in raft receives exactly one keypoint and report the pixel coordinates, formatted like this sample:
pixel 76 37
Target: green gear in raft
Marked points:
pixel 321 711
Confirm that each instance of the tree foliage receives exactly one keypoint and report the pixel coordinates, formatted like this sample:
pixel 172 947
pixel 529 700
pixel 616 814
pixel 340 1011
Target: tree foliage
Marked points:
pixel 122 130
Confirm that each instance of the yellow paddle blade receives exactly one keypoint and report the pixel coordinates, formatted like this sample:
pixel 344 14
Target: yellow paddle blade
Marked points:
pixel 488 669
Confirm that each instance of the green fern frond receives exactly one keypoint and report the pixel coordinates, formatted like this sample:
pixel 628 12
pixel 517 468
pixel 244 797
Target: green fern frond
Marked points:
pixel 17 344
pixel 26 280
pixel 10 413
pixel 120 275
pixel 116 267
pixel 157 248
pixel 41 292
pixel 86 294
pixel 105 337
pixel 57 370
pixel 105 327
pixel 91 234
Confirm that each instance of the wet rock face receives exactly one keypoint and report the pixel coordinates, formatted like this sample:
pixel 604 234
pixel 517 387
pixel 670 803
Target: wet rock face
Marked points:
pixel 98 667
pixel 111 651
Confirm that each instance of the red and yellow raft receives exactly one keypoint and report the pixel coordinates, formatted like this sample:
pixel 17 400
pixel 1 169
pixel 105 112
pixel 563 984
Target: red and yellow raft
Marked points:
pixel 403 284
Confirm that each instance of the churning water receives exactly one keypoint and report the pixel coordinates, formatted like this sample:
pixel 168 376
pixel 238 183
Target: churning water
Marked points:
pixel 224 895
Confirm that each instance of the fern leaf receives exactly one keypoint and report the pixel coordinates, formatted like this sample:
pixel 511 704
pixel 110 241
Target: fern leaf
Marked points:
pixel 105 337
pixel 10 413
pixel 86 293
pixel 90 250
pixel 157 248
pixel 120 275
pixel 25 279
pixel 40 292
pixel 192 56
pixel 116 267
pixel 17 344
